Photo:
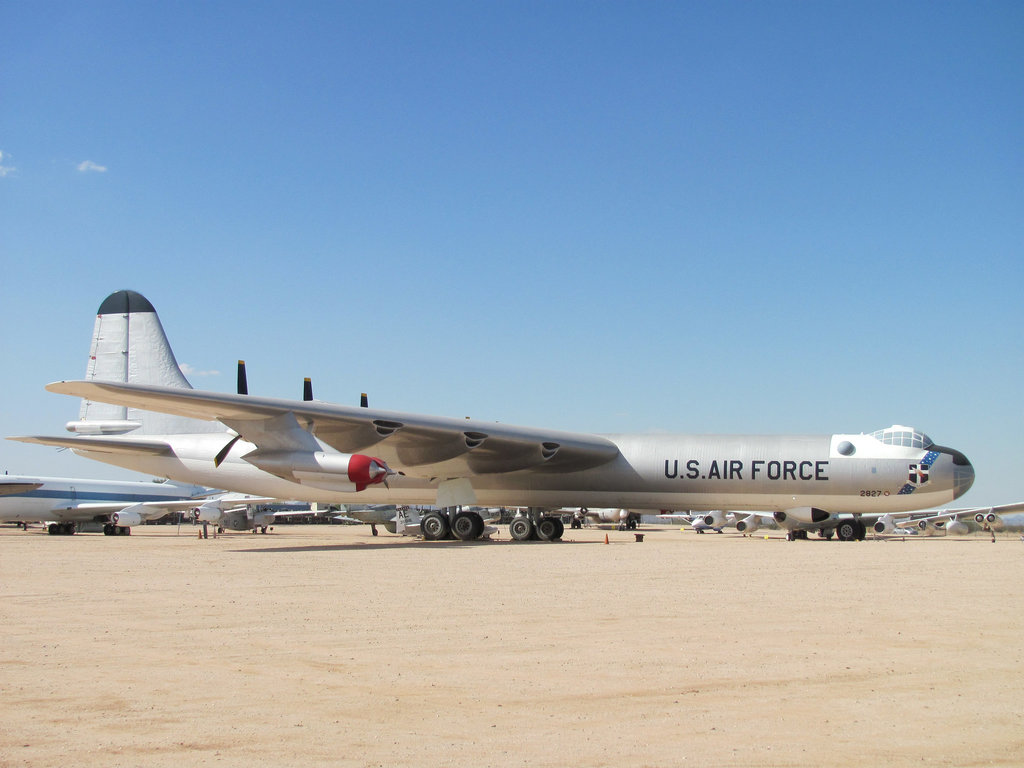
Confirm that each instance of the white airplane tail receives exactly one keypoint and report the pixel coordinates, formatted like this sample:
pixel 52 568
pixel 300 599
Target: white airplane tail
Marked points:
pixel 129 346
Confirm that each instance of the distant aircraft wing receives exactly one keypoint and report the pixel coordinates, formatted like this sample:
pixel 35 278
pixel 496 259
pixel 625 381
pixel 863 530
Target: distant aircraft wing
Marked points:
pixel 422 446
pixel 962 513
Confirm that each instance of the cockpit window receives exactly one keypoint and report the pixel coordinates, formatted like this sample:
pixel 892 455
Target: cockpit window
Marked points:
pixel 908 437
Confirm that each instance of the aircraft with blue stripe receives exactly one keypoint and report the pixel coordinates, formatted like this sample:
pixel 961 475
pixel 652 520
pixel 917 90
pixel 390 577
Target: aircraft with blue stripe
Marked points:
pixel 64 502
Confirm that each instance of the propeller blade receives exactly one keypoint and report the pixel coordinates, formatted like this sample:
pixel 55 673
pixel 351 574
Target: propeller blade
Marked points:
pixel 223 454
pixel 307 389
pixel 243 383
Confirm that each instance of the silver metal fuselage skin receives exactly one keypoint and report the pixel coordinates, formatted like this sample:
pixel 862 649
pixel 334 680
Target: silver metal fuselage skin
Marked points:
pixel 651 472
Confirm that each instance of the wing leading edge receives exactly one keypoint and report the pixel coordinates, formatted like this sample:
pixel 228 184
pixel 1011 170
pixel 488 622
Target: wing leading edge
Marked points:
pixel 423 446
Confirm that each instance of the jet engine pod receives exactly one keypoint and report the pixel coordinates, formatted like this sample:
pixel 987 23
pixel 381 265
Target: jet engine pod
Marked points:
pixel 208 514
pixel 748 524
pixel 956 528
pixel 884 524
pixel 714 519
pixel 126 518
pixel 802 515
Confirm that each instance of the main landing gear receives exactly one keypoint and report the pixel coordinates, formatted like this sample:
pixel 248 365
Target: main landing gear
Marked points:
pixel 61 529
pixel 442 524
pixel 536 525
pixel 851 530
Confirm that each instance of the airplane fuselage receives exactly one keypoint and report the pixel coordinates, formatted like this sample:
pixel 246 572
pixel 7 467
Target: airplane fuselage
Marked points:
pixel 695 472
pixel 44 499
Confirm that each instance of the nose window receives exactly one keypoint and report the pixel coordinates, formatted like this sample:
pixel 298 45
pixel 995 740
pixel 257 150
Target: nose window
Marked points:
pixel 907 437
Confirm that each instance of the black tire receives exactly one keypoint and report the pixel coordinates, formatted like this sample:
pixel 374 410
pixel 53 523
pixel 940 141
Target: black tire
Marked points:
pixel 561 528
pixel 520 529
pixel 547 529
pixel 847 530
pixel 464 526
pixel 434 527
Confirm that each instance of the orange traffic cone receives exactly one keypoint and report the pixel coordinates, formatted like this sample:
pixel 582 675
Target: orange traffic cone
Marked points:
pixel 606 538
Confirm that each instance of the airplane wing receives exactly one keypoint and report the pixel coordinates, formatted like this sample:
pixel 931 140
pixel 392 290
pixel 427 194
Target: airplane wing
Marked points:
pixel 964 512
pixel 422 446
pixel 675 518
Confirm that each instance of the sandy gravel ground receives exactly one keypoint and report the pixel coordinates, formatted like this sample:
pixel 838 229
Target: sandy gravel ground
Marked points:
pixel 325 646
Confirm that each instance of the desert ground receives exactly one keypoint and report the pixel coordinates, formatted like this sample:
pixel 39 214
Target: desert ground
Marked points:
pixel 322 645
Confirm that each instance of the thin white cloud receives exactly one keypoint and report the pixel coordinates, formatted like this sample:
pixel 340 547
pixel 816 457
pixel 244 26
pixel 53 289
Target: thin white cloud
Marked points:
pixel 188 370
pixel 89 165
pixel 5 170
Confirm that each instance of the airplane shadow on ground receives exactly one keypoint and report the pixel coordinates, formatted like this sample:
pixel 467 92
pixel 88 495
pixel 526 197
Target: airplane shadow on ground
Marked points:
pixel 439 544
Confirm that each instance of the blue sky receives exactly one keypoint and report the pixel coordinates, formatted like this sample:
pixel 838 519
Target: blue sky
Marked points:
pixel 689 217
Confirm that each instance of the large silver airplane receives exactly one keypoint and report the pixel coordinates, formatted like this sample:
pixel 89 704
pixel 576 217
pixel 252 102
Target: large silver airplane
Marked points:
pixel 138 411
pixel 64 502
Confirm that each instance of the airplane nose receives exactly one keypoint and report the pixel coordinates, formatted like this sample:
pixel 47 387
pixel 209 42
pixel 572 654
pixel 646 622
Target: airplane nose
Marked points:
pixel 963 472
pixel 963 479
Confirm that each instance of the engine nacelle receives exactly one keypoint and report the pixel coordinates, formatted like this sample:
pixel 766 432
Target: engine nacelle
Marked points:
pixel 884 524
pixel 334 471
pixel 749 524
pixel 714 519
pixel 957 528
pixel 928 528
pixel 990 518
pixel 802 515
pixel 208 514
pixel 126 518
pixel 609 515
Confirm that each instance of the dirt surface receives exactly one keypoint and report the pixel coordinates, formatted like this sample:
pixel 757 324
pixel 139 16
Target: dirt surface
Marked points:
pixel 318 645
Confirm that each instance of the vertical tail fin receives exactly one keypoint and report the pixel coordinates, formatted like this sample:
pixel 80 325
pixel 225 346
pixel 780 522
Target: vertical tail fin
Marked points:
pixel 129 345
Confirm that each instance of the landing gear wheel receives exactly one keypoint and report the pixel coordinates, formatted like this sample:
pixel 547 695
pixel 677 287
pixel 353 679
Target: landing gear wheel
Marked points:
pixel 847 530
pixel 467 526
pixel 547 528
pixel 520 529
pixel 434 526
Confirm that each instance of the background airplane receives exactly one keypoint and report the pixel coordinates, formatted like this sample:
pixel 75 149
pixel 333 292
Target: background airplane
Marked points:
pixel 64 502
pixel 238 512
pixel 312 451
